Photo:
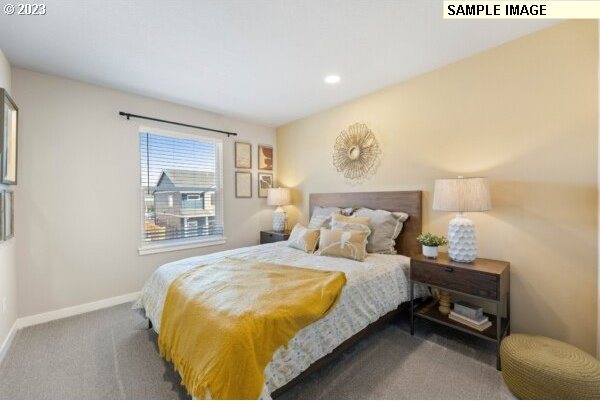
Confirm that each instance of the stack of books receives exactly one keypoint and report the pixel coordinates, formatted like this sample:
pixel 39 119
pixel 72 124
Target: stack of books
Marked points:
pixel 469 315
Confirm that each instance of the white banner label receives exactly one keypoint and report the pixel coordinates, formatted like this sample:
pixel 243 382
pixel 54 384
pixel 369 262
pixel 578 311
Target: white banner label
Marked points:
pixel 525 9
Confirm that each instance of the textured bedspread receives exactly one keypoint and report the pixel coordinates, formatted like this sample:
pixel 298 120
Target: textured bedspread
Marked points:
pixel 374 287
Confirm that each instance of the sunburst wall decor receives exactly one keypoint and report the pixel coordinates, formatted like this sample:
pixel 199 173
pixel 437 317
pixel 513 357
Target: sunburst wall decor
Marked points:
pixel 356 152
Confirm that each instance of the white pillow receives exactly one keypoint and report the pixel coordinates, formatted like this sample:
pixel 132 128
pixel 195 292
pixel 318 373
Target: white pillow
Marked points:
pixel 385 228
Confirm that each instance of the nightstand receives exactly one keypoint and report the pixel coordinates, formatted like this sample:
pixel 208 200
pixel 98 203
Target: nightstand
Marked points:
pixel 269 236
pixel 484 279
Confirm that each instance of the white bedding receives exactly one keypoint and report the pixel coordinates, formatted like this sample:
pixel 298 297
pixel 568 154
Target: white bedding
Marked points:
pixel 374 287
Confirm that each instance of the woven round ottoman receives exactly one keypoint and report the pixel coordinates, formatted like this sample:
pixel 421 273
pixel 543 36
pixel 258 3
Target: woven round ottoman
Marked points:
pixel 537 367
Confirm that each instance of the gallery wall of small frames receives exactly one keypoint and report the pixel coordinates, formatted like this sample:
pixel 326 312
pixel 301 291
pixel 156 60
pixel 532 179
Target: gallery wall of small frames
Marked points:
pixel 243 161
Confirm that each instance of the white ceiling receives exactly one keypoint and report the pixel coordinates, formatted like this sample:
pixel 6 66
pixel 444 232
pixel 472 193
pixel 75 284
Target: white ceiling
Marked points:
pixel 260 60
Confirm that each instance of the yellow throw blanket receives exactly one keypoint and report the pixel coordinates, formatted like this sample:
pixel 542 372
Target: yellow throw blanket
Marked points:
pixel 222 322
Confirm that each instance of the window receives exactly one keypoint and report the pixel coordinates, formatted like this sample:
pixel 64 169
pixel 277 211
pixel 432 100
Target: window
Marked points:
pixel 192 201
pixel 181 185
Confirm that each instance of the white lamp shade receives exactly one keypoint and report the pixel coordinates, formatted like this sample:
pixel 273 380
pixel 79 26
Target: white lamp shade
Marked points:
pixel 462 195
pixel 279 197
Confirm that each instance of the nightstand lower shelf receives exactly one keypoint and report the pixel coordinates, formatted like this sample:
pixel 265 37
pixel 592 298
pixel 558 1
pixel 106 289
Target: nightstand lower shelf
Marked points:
pixel 430 312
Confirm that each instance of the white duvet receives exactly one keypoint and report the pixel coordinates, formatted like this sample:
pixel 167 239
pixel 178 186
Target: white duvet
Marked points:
pixel 374 287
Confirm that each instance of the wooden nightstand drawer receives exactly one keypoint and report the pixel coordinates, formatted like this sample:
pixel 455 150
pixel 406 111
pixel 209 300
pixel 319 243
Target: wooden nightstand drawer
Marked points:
pixel 455 278
pixel 266 237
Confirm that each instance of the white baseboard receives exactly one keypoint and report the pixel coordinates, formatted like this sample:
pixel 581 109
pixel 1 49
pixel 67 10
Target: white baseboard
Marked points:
pixel 61 314
pixel 8 341
pixel 75 310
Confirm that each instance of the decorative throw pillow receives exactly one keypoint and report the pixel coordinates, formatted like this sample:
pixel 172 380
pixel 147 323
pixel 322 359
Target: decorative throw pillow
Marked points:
pixel 303 238
pixel 385 228
pixel 321 216
pixel 344 244
pixel 338 225
pixel 340 218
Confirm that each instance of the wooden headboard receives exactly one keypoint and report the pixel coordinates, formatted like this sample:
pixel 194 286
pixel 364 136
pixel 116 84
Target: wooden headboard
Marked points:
pixel 396 201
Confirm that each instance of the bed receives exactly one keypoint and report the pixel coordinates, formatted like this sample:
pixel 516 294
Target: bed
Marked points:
pixel 376 289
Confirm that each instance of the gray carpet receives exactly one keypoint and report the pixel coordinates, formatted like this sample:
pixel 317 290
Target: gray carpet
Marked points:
pixel 108 354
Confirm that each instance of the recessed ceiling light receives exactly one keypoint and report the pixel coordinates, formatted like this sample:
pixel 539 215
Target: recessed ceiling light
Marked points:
pixel 332 79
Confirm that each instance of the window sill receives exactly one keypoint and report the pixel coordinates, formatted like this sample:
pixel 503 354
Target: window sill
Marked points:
pixel 178 245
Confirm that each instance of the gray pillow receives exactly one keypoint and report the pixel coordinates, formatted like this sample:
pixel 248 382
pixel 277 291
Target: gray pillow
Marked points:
pixel 321 216
pixel 385 228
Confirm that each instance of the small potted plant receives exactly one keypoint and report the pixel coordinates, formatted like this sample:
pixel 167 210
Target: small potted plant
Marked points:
pixel 430 244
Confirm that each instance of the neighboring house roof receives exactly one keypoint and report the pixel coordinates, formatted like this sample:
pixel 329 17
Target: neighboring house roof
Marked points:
pixel 186 180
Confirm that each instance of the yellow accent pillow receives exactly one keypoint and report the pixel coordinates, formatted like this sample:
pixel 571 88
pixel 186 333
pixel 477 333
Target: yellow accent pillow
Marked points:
pixel 340 218
pixel 305 239
pixel 349 244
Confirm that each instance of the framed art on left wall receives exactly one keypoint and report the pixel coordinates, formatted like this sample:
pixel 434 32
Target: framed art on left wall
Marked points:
pixel 8 139
pixel 1 216
pixel 7 200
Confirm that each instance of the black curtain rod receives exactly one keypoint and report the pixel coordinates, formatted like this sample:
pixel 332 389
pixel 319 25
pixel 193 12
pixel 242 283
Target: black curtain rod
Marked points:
pixel 129 115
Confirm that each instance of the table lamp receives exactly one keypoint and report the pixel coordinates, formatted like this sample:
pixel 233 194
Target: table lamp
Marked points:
pixel 279 197
pixel 462 195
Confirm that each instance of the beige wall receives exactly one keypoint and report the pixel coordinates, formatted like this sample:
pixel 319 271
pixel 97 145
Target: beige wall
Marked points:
pixel 525 115
pixel 79 197
pixel 8 265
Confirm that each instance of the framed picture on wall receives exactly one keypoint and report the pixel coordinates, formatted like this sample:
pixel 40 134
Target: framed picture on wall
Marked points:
pixel 1 216
pixel 243 155
pixel 265 181
pixel 9 214
pixel 243 184
pixel 265 157
pixel 8 139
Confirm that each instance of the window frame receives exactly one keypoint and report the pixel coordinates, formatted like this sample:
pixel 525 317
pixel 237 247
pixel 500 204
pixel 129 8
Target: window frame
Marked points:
pixel 148 248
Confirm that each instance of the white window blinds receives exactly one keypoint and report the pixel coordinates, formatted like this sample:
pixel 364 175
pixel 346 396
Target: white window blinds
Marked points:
pixel 181 185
